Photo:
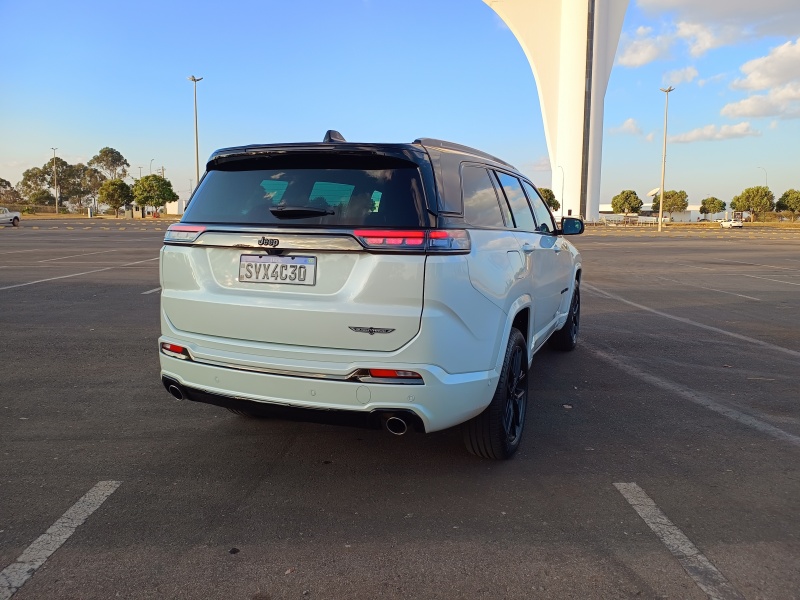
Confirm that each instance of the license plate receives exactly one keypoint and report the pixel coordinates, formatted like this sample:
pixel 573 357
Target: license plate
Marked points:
pixel 290 270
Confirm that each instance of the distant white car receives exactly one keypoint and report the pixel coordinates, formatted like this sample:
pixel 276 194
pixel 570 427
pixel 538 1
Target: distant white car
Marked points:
pixel 9 217
pixel 730 223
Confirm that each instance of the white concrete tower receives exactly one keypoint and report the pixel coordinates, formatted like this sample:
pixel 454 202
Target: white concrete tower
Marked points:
pixel 570 45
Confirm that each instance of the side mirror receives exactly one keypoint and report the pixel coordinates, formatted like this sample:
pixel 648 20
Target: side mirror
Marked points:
pixel 571 226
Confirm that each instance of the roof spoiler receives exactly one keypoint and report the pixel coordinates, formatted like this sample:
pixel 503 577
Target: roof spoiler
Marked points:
pixel 333 136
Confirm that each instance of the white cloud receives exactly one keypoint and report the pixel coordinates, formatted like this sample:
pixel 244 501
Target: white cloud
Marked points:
pixel 712 133
pixel 699 37
pixel 639 52
pixel 650 136
pixel 630 126
pixel 764 17
pixel 680 76
pixel 782 102
pixel 643 31
pixel 780 66
pixel 712 79
pixel 539 165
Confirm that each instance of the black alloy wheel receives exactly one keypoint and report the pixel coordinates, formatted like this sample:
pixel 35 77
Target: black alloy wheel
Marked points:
pixel 497 431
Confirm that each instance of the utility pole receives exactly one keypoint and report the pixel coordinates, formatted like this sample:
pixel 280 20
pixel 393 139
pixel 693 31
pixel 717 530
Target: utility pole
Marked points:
pixel 55 177
pixel 663 159
pixel 194 80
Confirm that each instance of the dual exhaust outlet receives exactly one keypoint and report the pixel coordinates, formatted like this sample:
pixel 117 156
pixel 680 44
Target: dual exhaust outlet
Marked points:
pixel 393 423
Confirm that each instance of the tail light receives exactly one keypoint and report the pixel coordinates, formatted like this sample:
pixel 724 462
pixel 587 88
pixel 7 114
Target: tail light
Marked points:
pixel 424 241
pixel 183 234
pixel 390 376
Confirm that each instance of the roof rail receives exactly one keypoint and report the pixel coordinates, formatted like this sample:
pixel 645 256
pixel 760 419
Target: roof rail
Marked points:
pixel 434 143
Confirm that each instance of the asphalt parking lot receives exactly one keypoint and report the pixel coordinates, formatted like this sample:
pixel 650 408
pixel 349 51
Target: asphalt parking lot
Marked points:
pixel 660 459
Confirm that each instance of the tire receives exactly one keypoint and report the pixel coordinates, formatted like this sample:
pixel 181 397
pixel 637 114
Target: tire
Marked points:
pixel 566 338
pixel 15 222
pixel 497 431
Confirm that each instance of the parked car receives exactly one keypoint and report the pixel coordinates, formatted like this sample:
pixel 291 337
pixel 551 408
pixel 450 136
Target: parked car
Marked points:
pixel 9 217
pixel 730 223
pixel 385 285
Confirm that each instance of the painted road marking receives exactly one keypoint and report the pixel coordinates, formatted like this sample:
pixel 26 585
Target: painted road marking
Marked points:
pixel 757 264
pixel 14 576
pixel 18 251
pixel 16 285
pixel 74 255
pixel 158 289
pixel 768 279
pixel 708 288
pixel 697 566
pixel 686 321
pixel 696 397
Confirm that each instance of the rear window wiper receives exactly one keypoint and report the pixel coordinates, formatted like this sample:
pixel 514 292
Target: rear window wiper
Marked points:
pixel 299 212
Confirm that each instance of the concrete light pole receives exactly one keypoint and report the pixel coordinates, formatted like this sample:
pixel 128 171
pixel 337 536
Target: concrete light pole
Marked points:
pixel 151 165
pixel 194 80
pixel 55 177
pixel 766 181
pixel 140 172
pixel 663 158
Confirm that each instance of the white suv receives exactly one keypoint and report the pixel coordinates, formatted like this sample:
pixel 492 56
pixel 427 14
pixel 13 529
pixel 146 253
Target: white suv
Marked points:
pixel 384 285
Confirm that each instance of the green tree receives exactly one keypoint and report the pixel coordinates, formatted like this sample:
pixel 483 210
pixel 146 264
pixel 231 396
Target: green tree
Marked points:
pixel 33 180
pixel 153 190
pixel 116 193
pixel 711 206
pixel 789 202
pixel 111 163
pixel 9 195
pixel 41 198
pixel 550 199
pixel 755 200
pixel 627 201
pixel 674 201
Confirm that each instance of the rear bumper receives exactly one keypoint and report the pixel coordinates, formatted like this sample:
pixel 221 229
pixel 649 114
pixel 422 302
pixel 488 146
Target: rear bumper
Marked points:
pixel 442 401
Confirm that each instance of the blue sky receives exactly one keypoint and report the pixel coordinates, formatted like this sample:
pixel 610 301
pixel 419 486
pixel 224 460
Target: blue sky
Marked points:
pixel 83 75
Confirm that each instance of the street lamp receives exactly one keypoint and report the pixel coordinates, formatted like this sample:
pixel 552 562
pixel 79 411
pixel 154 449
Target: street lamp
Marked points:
pixel 562 190
pixel 194 80
pixel 55 177
pixel 663 158
pixel 140 172
pixel 151 165
pixel 766 181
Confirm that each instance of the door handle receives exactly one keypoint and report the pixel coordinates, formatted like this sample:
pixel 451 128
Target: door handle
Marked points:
pixel 527 248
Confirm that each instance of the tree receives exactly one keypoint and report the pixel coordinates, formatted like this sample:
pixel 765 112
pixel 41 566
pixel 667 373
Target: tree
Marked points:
pixel 758 199
pixel 153 190
pixel 9 195
pixel 550 199
pixel 627 201
pixel 674 201
pixel 33 180
pixel 790 202
pixel 711 206
pixel 42 198
pixel 111 163
pixel 116 193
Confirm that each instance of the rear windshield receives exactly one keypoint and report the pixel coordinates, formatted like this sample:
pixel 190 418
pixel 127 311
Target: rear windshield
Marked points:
pixel 312 197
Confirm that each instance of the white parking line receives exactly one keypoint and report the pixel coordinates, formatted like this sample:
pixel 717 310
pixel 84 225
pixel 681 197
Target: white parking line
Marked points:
pixel 158 289
pixel 708 288
pixel 696 397
pixel 74 255
pixel 697 566
pixel 18 251
pixel 14 576
pixel 686 321
pixel 16 285
pixel 741 262
pixel 768 279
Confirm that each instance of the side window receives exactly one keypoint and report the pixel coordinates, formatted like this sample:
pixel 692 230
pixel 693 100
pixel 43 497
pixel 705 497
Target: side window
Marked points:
pixel 481 208
pixel 516 199
pixel 540 210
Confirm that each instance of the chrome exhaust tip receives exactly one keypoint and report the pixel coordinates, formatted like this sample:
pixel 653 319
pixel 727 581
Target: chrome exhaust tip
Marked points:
pixel 395 425
pixel 176 392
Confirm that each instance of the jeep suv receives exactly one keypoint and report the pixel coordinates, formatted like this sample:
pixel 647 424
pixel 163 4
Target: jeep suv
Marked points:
pixel 384 285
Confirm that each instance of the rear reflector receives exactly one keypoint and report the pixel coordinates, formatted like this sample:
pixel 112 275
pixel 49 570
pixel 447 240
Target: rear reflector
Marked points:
pixel 393 374
pixel 175 351
pixel 183 234
pixel 419 241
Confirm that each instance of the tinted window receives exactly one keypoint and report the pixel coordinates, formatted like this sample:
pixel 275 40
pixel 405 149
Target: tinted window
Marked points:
pixel 480 198
pixel 544 219
pixel 519 204
pixel 350 197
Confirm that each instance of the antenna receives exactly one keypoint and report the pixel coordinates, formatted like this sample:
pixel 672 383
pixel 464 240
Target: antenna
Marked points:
pixel 333 136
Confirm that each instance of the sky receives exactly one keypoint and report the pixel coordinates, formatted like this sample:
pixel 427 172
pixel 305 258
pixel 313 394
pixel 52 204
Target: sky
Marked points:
pixel 82 75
